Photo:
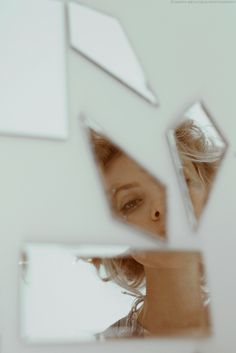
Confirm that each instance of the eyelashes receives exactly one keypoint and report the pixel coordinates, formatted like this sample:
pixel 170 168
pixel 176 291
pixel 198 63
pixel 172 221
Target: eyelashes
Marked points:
pixel 125 202
pixel 131 205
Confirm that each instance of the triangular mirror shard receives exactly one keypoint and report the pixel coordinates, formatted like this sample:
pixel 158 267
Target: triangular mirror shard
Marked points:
pixel 197 147
pixel 133 194
pixel 101 39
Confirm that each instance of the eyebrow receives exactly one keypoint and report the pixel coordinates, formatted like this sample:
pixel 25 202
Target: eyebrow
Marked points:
pixel 123 187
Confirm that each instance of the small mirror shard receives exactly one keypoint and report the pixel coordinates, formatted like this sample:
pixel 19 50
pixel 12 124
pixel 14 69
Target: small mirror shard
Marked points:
pixel 72 296
pixel 133 194
pixel 197 148
pixel 101 39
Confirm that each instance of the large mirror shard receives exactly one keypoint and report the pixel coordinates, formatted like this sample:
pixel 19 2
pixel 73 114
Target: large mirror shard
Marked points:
pixel 94 293
pixel 134 195
pixel 102 39
pixel 198 148
pixel 33 69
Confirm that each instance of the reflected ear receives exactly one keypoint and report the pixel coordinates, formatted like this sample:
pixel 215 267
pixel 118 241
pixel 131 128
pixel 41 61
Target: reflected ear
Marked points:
pixel 197 148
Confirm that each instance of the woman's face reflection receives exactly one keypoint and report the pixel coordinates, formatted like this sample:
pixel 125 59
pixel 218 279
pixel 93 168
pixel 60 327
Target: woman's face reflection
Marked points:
pixel 135 195
pixel 197 190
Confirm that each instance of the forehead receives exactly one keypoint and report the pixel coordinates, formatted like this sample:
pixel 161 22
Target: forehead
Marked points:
pixel 125 170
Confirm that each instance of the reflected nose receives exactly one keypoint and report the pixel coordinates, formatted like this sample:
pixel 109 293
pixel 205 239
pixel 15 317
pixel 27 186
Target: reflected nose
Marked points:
pixel 155 214
pixel 158 216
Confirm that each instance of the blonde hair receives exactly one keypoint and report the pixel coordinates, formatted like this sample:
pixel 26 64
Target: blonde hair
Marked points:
pixel 193 146
pixel 124 271
pixel 191 142
pixel 104 150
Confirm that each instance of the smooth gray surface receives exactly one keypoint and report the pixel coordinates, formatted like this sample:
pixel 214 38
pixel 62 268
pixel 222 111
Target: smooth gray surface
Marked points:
pixel 49 189
pixel 33 70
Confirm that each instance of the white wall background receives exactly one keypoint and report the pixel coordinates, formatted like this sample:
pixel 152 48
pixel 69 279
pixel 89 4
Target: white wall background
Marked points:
pixel 63 299
pixel 50 189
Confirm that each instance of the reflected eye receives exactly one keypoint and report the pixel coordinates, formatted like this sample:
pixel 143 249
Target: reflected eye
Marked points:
pixel 131 205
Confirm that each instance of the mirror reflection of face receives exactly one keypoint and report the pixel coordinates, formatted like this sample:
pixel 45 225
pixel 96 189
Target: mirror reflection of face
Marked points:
pixel 201 149
pixel 112 292
pixel 135 195
pixel 170 286
pixel 197 190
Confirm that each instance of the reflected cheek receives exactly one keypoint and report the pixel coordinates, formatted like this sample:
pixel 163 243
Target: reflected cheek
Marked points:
pixel 198 198
pixel 142 218
pixel 138 216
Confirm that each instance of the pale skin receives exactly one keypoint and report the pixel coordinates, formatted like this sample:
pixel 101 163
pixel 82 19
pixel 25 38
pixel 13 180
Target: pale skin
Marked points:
pixel 173 303
pixel 140 199
pixel 197 190
pixel 135 196
pixel 170 276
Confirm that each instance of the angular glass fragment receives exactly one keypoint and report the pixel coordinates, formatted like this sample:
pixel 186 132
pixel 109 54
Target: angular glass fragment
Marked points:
pixel 101 39
pixel 197 147
pixel 88 293
pixel 134 195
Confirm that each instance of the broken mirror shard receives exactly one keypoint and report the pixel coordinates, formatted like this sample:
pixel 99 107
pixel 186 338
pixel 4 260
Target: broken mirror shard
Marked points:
pixel 197 147
pixel 98 292
pixel 134 195
pixel 102 39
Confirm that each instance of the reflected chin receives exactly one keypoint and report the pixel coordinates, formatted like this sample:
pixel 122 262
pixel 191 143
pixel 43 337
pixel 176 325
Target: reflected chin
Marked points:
pixel 166 259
